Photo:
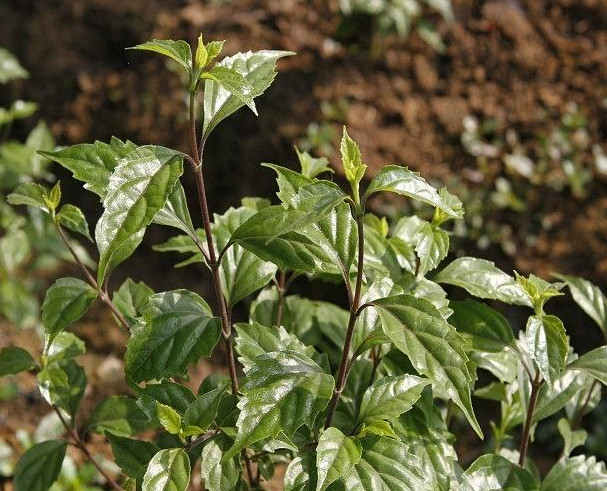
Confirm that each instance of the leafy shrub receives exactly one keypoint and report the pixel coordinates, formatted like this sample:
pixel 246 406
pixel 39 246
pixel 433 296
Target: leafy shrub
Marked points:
pixel 356 398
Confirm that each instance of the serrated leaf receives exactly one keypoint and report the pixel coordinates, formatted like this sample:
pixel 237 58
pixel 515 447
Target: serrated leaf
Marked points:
pixel 385 465
pixel 132 456
pixel 433 346
pixel 29 194
pixel 172 394
pixel 594 363
pixel 169 419
pixel 483 279
pixel 389 397
pixel 493 472
pixel 401 180
pixel 548 345
pixel 119 415
pixel 39 467
pixel 283 391
pixel 336 455
pixel 311 166
pixel 131 298
pixel 289 181
pixel 72 218
pixel 178 51
pixel 178 329
pixel 66 301
pixel 431 248
pixel 63 386
pixel 202 411
pixel 234 83
pixel 576 474
pixel 169 470
pixel 138 188
pixel 14 360
pixel 258 69
pixel 590 298
pixel 218 475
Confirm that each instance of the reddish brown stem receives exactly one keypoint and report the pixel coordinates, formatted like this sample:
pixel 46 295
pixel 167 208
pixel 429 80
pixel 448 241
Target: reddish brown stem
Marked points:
pixel 535 389
pixel 281 287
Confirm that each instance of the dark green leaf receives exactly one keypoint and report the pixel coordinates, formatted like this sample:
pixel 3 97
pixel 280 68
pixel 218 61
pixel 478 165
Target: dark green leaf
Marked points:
pixel 219 476
pixel 66 301
pixel 288 182
pixel 576 474
pixel 71 217
pixel 14 360
pixel 132 456
pixel 336 455
pixel 178 51
pixel 201 413
pixel 169 470
pixel 594 363
pixel 401 180
pixel 283 391
pixel 39 467
pixel 169 393
pixel 119 415
pixel 63 385
pixel 548 345
pixel 131 298
pixel 178 329
pixel 433 346
pixel 483 279
pixel 496 473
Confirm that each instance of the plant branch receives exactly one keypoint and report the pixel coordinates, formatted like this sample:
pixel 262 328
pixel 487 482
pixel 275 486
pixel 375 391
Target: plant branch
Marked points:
pixel 78 443
pixel 535 388
pixel 281 287
pixel 354 311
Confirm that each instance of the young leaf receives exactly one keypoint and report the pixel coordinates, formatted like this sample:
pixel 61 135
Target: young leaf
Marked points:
pixel 538 290
pixel 169 470
pixel 483 279
pixel 72 218
pixel 590 298
pixel 178 329
pixel 29 194
pixel 234 83
pixel 289 182
pixel 594 363
pixel 310 166
pixel 389 397
pixel 169 419
pixel 14 360
pixel 496 473
pixel 258 69
pixel 137 190
pixel 401 180
pixel 354 169
pixel 132 456
pixel 576 473
pixel 548 345
pixel 283 391
pixel 336 455
pixel 39 467
pixel 433 346
pixel 431 248
pixel 217 474
pixel 118 415
pixel 178 51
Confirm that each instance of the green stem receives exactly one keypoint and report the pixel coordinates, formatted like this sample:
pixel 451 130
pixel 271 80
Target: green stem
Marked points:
pixel 535 388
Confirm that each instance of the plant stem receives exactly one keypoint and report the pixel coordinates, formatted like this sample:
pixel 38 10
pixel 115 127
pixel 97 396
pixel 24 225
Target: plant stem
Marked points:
pixel 103 295
pixel 535 388
pixel 226 327
pixel 354 312
pixel 281 287
pixel 580 414
pixel 77 442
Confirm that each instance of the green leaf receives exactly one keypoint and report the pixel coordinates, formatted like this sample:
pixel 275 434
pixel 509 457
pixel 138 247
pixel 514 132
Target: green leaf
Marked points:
pixel 169 393
pixel 234 83
pixel 548 345
pixel 132 456
pixel 552 399
pixel 354 169
pixel 590 298
pixel 254 340
pixel 119 415
pixel 336 455
pixel 576 474
pixel 538 290
pixel 283 391
pixel 483 279
pixel 71 217
pixel 63 386
pixel 178 329
pixel 131 298
pixel 431 248
pixel 389 397
pixel 289 182
pixel 301 473
pixel 385 465
pixel 258 69
pixel 62 347
pixel 201 413
pixel 178 51
pixel 594 363
pixel 496 473
pixel 66 301
pixel 571 439
pixel 169 419
pixel 14 360
pixel 312 167
pixel 401 180
pixel 219 475
pixel 137 190
pixel 10 68
pixel 435 349
pixel 29 194
pixel 169 470
pixel 39 467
